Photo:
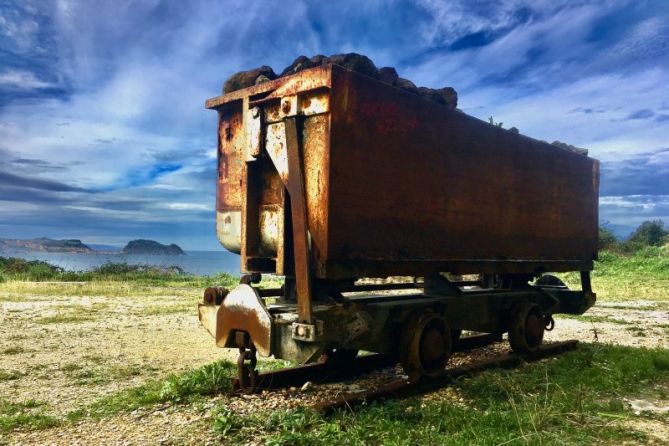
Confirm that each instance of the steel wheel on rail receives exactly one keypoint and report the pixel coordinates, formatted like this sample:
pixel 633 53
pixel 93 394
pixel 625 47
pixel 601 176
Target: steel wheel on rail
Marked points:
pixel 550 280
pixel 425 346
pixel 526 328
pixel 340 357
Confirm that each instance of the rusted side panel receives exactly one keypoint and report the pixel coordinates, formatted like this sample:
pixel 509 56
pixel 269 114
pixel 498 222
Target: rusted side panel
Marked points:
pixel 396 184
pixel 231 147
pixel 251 199
pixel 414 183
pixel 316 137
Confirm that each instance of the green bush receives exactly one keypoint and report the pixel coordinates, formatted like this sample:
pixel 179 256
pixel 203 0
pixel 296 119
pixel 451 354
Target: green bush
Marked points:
pixel 649 233
pixel 607 240
pixel 12 267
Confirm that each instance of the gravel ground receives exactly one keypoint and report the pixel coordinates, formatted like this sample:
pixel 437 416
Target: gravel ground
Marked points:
pixel 113 344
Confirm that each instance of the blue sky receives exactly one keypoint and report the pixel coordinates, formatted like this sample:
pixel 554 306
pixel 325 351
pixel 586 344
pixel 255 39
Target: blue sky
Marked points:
pixel 104 137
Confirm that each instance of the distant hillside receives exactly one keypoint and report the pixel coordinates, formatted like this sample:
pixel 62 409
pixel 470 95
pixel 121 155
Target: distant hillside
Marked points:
pixel 43 245
pixel 151 247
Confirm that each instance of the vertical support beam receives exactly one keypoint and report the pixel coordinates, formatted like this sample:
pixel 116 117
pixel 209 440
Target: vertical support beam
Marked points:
pixel 586 285
pixel 250 214
pixel 298 205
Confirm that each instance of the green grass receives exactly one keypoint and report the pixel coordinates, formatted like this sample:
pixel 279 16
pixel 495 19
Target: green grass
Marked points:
pixel 24 415
pixel 576 398
pixel 640 276
pixel 13 350
pixel 64 318
pixel 178 388
pixel 10 375
pixel 99 373
pixel 184 388
pixel 160 310
pixel 594 319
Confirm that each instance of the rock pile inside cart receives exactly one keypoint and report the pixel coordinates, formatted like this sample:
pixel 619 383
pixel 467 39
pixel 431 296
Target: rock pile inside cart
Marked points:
pixel 359 63
pixel 446 96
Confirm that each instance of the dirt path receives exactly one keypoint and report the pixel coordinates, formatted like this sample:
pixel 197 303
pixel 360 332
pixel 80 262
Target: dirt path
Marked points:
pixel 70 351
pixel 632 323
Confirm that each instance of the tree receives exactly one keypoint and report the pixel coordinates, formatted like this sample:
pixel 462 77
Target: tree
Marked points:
pixel 649 233
pixel 607 240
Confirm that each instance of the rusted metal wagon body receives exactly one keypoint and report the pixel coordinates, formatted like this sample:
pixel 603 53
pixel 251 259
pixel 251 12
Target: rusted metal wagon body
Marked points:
pixel 328 176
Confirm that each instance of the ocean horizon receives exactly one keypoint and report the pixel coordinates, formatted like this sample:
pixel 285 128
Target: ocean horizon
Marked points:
pixel 201 263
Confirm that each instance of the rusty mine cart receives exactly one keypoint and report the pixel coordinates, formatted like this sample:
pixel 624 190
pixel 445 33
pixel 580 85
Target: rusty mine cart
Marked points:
pixel 328 176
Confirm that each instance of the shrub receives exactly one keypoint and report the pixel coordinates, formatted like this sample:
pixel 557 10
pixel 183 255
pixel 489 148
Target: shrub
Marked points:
pixel 649 233
pixel 607 240
pixel 28 269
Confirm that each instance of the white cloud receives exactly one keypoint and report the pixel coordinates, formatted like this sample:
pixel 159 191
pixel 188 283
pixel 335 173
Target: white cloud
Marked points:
pixel 23 80
pixel 139 73
pixel 453 19
pixel 22 30
pixel 553 113
pixel 190 207
pixel 642 203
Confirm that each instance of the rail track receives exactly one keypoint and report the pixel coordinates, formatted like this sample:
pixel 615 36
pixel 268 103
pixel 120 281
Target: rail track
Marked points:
pixel 335 371
pixel 403 387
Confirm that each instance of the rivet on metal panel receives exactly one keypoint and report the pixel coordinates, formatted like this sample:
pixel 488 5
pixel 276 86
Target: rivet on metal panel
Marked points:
pixel 285 107
pixel 289 106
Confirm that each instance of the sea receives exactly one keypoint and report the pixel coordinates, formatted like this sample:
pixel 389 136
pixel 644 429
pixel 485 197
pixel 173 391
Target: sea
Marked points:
pixel 201 263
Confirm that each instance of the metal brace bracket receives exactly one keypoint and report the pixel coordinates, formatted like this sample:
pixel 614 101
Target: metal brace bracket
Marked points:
pixel 307 332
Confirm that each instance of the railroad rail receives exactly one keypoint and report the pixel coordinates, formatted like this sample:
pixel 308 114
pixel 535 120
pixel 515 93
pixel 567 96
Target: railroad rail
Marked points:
pixel 403 387
pixel 333 370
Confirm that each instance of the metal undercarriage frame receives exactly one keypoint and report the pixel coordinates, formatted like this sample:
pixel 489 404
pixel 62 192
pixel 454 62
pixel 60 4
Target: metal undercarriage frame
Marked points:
pixel 374 322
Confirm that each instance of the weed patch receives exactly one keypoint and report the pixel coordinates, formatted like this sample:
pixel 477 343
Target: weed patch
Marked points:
pixel 593 319
pixel 97 373
pixel 641 276
pixel 13 350
pixel 27 414
pixel 10 375
pixel 161 310
pixel 182 388
pixel 64 318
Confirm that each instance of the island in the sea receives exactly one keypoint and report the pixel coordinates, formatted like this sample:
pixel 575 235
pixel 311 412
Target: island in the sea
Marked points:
pixel 151 247
pixel 44 244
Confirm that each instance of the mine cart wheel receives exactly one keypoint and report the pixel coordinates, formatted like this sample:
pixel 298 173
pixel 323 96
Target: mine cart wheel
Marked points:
pixel 550 280
pixel 526 329
pixel 340 357
pixel 426 345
